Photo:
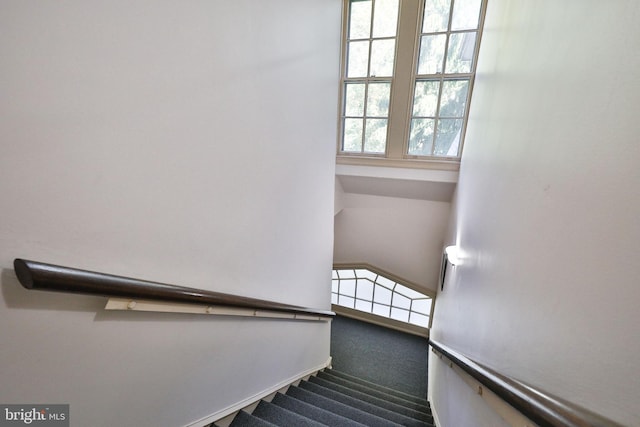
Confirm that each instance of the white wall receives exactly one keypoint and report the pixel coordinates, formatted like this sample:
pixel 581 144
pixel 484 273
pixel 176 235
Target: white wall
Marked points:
pixel 184 142
pixel 547 210
pixel 402 236
pixel 338 204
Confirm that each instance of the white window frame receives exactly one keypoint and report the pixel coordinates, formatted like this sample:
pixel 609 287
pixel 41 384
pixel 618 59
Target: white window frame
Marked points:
pixel 378 278
pixel 402 91
pixel 366 80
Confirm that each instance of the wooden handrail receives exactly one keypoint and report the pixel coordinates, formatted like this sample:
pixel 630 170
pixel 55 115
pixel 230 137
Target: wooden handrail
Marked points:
pixel 48 277
pixel 540 407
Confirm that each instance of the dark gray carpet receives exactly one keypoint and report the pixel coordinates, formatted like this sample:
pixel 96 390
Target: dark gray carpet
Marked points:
pixel 386 391
pixel 340 408
pixel 247 420
pixel 313 412
pixel 380 355
pixel 374 393
pixel 379 379
pixel 282 417
pixel 367 407
pixel 330 399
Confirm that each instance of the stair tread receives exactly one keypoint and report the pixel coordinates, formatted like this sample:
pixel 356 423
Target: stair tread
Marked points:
pixel 313 412
pixel 244 419
pixel 340 408
pixel 282 417
pixel 379 402
pixel 375 392
pixel 376 386
pixel 363 405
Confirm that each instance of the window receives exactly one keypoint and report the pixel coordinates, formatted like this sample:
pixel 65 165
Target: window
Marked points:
pixel 364 290
pixel 371 43
pixel 408 71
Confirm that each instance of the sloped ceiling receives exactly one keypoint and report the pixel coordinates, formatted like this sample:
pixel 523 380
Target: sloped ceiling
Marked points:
pixel 434 185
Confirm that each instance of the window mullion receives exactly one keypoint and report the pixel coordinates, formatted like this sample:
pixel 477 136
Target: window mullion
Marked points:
pixel 368 78
pixel 364 109
pixel 402 82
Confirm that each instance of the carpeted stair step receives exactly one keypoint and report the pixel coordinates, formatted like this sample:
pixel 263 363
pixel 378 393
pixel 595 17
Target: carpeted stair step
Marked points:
pixel 375 392
pixel 381 403
pixel 281 416
pixel 339 408
pixel 362 405
pixel 313 412
pixel 244 419
pixel 383 389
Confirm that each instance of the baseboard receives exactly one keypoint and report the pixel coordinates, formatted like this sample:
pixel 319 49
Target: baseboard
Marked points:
pixel 256 397
pixel 434 413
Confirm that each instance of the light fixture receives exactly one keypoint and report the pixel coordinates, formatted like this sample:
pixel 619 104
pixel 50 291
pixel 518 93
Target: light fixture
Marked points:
pixel 452 255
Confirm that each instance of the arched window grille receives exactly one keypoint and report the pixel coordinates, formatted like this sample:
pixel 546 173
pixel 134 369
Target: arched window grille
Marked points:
pixel 371 292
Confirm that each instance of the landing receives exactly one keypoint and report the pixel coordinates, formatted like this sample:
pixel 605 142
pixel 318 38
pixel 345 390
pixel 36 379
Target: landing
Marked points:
pixel 380 355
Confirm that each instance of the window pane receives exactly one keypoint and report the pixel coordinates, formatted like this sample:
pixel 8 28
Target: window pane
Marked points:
pixel 409 293
pixel 352 135
pixel 382 295
pixel 460 52
pixel 392 300
pixel 465 14
pixel 381 310
pixel 398 314
pixel 378 100
pixel 366 274
pixel 375 137
pixel 345 301
pixel 382 53
pixel 420 320
pixel 400 301
pixel 385 282
pixel 422 306
pixel 348 287
pixel 448 137
pixel 363 305
pixel 365 290
pixel 454 98
pixel 347 274
pixel 358 58
pixel 431 54
pixel 436 16
pixel 426 98
pixel 385 18
pixel 421 139
pixel 354 99
pixel 360 20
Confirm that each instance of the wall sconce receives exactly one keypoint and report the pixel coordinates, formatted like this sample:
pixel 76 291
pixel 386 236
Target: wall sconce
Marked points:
pixel 450 255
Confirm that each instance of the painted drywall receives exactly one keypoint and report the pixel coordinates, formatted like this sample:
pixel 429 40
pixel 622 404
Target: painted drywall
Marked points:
pixel 183 142
pixel 454 402
pixel 338 198
pixel 402 236
pixel 547 209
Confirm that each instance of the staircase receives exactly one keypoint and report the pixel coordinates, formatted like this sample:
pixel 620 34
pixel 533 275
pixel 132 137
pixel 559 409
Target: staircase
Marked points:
pixel 333 398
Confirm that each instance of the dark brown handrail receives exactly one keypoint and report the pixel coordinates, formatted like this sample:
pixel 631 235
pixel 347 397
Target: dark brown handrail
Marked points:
pixel 540 407
pixel 48 277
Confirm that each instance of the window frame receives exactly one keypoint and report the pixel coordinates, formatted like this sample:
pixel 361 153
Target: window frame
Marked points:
pixel 403 83
pixel 388 281
pixel 344 80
